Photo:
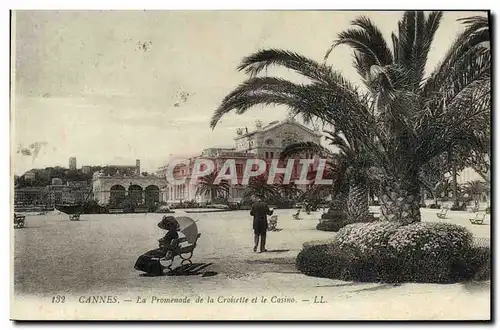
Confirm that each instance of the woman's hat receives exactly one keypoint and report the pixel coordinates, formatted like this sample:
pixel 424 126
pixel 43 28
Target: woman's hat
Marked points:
pixel 166 221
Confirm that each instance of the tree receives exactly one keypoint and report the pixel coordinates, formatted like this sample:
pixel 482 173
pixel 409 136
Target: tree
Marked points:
pixel 475 189
pixel 405 119
pixel 259 188
pixel 288 193
pixel 350 169
pixel 207 185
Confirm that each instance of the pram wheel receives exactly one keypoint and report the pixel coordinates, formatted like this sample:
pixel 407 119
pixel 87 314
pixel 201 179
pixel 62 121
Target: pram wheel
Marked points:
pixel 185 258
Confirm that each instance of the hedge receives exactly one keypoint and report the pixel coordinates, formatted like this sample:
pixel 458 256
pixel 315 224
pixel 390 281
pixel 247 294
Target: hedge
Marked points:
pixel 389 252
pixel 336 225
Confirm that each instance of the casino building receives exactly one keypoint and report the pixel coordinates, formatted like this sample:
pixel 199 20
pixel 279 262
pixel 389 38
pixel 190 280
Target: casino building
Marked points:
pixel 264 142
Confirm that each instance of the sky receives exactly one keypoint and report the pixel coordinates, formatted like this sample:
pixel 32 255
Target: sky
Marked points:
pixel 109 87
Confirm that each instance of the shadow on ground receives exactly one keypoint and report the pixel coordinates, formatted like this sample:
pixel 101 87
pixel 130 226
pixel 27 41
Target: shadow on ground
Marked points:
pixel 277 251
pixel 476 286
pixel 187 270
pixel 378 287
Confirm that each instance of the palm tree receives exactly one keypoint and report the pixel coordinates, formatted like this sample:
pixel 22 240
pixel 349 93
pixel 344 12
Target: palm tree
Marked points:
pixel 475 189
pixel 259 188
pixel 288 192
pixel 207 185
pixel 413 119
pixel 350 168
pixel 443 188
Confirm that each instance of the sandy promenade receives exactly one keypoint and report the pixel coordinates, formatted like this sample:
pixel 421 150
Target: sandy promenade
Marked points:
pixel 54 257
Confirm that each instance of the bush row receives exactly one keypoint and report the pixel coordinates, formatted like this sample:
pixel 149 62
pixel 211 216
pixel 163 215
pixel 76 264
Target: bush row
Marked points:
pixel 336 225
pixel 389 252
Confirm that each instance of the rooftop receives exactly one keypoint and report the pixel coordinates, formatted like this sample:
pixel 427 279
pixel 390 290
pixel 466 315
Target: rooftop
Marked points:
pixel 276 124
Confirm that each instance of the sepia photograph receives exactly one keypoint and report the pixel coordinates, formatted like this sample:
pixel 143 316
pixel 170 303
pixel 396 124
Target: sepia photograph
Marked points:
pixel 250 165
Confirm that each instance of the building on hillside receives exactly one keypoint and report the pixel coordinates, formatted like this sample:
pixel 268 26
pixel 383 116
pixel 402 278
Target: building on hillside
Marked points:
pixel 68 194
pixel 45 174
pixel 31 196
pixel 29 176
pixel 72 163
pixel 57 181
pixel 122 170
pixel 264 143
pixel 86 169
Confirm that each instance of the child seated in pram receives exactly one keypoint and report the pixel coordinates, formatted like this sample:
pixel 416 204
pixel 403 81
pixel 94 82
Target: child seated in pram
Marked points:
pixel 273 222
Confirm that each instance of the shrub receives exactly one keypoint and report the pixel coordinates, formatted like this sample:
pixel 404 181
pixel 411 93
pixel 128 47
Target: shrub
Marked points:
pixel 336 225
pixel 367 238
pixel 434 206
pixel 474 264
pixel 390 252
pixel 426 251
pixel 330 225
pixel 152 207
pixel 331 261
pixel 461 207
pixel 314 261
pixel 334 214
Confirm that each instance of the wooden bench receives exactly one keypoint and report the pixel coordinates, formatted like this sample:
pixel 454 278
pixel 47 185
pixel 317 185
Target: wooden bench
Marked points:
pixel 74 217
pixel 442 213
pixel 478 219
pixel 19 221
pixel 185 252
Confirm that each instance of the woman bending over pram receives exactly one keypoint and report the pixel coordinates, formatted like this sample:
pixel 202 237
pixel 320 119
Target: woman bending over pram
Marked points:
pixel 148 262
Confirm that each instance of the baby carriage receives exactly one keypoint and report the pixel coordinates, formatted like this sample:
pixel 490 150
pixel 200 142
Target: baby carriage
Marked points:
pixel 296 216
pixel 273 222
pixel 184 245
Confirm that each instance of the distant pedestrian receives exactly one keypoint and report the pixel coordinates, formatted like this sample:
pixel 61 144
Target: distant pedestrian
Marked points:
pixel 260 211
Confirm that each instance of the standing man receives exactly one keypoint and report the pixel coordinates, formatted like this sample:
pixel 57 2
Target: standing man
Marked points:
pixel 260 211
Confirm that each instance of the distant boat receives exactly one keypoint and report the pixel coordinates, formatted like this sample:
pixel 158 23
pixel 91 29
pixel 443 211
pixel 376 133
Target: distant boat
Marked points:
pixel 75 208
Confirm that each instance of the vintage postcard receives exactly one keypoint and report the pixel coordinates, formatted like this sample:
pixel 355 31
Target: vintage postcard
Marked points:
pixel 250 165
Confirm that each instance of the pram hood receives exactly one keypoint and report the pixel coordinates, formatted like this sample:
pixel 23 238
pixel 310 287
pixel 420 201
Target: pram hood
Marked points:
pixel 188 227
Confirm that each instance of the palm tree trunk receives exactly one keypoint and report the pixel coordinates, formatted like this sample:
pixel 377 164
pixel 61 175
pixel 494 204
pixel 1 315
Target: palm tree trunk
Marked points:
pixel 339 202
pixel 357 201
pixel 455 185
pixel 400 201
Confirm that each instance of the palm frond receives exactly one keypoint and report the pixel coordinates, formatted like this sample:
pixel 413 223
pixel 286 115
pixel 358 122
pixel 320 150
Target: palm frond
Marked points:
pixel 257 62
pixel 301 148
pixel 412 44
pixel 369 45
pixel 468 46
pixel 468 114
